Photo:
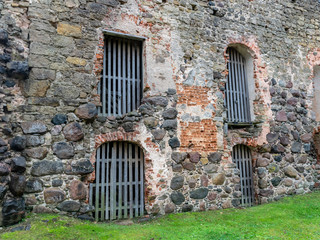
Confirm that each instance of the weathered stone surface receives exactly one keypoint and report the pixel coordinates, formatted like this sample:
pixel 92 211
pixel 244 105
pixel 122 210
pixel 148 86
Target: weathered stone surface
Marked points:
pixel 34 185
pixel 151 122
pixel 281 116
pixel 211 168
pixel 177 198
pixel 45 167
pixel 80 167
pixel 17 184
pixel 34 140
pixel 176 167
pixel 272 137
pixel 177 182
pixel 3 142
pixel 3 191
pixel 54 195
pixel 77 190
pixel 4 169
pixel 290 172
pixel 178 157
pixel 204 181
pixel 194 157
pixel 292 117
pixel 170 113
pixel 169 208
pixel 170 124
pixel 18 70
pixel 289 158
pixel 287 182
pixel 33 127
pixel 262 162
pixel 37 153
pixel 13 211
pixel 156 101
pixel 87 111
pixel 73 132
pixel 262 183
pixel 18 143
pixel 59 119
pixel 69 30
pixel 214 157
pixel 296 147
pixel 128 126
pixel 273 168
pixel 278 148
pixel 63 150
pixel 69 206
pixel 158 134
pixel 218 179
pixel 187 208
pixel 174 142
pixel 199 193
pixel 276 181
pixel 4 37
pixel 57 182
pixel 285 141
pixel 18 164
pixel 307 137
pixel 188 166
pixel 266 192
pixel 33 88
pixel 76 61
pixel 212 196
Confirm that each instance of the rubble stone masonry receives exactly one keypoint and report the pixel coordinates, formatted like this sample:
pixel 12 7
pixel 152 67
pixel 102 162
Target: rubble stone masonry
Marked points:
pixel 51 60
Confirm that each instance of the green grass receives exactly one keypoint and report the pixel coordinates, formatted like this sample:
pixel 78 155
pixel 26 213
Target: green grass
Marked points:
pixel 291 218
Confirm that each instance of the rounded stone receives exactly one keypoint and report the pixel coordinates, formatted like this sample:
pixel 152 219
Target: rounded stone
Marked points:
pixel 34 185
pixel 158 134
pixel 18 143
pixel 177 182
pixel 214 157
pixel 177 198
pixel 79 167
pixel 45 167
pixel 169 208
pixel 189 166
pixel 194 157
pixel 18 164
pixel 174 142
pixel 151 122
pixel 178 157
pixel 69 206
pixel 63 150
pixel 17 184
pixel 262 162
pixel 218 179
pixel 187 208
pixel 87 111
pixel 59 119
pixel 73 132
pixel 276 181
pixel 170 124
pixel 37 153
pixel 199 193
pixel 33 127
pixel 4 169
pixel 290 172
pixel 170 113
pixel 54 195
pixel 77 190
pixel 272 137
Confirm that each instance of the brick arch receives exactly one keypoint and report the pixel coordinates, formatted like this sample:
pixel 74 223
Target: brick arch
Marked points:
pixel 132 137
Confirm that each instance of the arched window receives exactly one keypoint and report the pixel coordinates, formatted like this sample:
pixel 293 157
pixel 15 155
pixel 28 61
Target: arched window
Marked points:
pixel 316 96
pixel 241 155
pixel 118 190
pixel 237 100
pixel 120 88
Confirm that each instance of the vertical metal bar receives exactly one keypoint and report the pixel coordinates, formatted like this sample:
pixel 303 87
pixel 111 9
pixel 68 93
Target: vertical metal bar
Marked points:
pixel 99 92
pixel 246 93
pixel 114 102
pixel 130 180
pixel 245 168
pixel 97 207
pixel 141 182
pixel 90 193
pixel 136 191
pixel 112 181
pixel 228 88
pixel 129 78
pixel 104 84
pixel 241 174
pixel 236 74
pixel 133 76
pixel 124 77
pixel 119 79
pixel 233 109
pixel 107 160
pixel 239 90
pixel 242 91
pixel 125 180
pixel 109 77
pixel 138 74
pixel 120 180
pixel 103 155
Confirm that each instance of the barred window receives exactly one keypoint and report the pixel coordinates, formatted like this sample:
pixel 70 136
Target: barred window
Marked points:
pixel 120 88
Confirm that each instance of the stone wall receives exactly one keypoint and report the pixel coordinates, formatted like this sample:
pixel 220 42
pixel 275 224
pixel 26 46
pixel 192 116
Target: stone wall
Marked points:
pixel 50 128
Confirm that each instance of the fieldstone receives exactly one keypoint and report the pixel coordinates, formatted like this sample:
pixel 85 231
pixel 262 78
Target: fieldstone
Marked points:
pixel 73 132
pixel 4 37
pixel 59 119
pixel 212 196
pixel 177 198
pixel 295 135
pixel 211 168
pixel 156 101
pixel 262 162
pixel 4 169
pixel 151 122
pixel 41 209
pixel 273 168
pixel 79 167
pixel 204 181
pixel 290 172
pixel 293 101
pixel 303 158
pixel 33 127
pixel 276 181
pixel 281 116
pixel 34 185
pixel 54 195
pixel 18 70
pixel 17 184
pixel 285 141
pixel 170 124
pixel 296 147
pixel 3 142
pixel 146 109
pixel 18 143
pixel 178 157
pixel 128 126
pixel 188 166
pixel 176 167
pixel 18 164
pixel 192 183
pixel 177 182
pixel 37 153
pixel 272 137
pixel 170 113
pixel 169 208
pixel 194 157
pixel 63 150
pixel 13 211
pixel 158 134
pixel 34 140
pixel 3 191
pixel 307 137
pixel 69 206
pixel 287 182
pixel 87 208
pixel 46 167
pixel 174 142
pixel 85 217
pixel 77 190
pixel 262 183
pixel 292 117
pixel 266 192
pixel 289 158
pixel 57 182
pixel 3 149
pixel 214 157
pixel 218 179
pixel 69 30
pixel 278 148
pixel 277 157
pixel 300 169
pixel 87 111
pixel 235 202
pixel 187 208
pixel 199 193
